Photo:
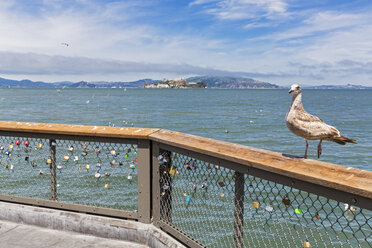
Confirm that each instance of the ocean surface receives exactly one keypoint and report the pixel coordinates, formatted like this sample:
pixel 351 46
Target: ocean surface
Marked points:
pixel 252 117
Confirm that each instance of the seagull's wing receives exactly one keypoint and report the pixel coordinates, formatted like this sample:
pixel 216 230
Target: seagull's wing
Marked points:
pixel 305 116
pixel 314 127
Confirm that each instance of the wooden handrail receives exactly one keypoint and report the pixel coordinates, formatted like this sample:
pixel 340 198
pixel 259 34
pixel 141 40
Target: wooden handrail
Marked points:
pixel 347 179
pixel 81 130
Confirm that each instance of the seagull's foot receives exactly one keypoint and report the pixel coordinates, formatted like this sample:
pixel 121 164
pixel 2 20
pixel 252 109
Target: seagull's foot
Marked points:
pixel 319 151
pixel 320 148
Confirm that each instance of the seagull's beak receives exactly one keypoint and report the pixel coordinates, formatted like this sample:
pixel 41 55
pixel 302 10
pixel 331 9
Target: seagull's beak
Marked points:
pixel 290 91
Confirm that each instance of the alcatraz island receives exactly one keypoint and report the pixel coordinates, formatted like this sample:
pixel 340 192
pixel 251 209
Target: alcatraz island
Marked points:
pixel 176 83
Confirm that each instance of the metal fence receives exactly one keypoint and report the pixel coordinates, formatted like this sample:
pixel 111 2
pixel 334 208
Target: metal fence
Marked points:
pixel 84 175
pixel 197 196
pixel 216 206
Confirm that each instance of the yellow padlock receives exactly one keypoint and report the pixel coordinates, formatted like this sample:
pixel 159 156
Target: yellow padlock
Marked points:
pixel 256 204
pixel 307 244
pixel 172 171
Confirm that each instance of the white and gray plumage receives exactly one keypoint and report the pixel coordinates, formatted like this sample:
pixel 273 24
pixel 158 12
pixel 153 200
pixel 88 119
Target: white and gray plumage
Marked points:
pixel 309 126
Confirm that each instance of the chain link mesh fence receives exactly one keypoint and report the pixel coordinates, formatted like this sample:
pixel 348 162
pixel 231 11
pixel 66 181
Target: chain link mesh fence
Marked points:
pixel 23 168
pixel 218 207
pixel 209 203
pixel 90 173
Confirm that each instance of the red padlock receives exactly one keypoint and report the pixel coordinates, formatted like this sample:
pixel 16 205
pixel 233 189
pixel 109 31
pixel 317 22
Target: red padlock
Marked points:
pixel 18 142
pixel 27 143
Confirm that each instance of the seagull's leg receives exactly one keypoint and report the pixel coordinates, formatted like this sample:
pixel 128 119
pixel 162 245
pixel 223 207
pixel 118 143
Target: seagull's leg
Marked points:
pixel 320 148
pixel 307 146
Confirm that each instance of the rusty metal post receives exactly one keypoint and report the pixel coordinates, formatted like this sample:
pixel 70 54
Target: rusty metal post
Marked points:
pixel 144 181
pixel 53 180
pixel 239 210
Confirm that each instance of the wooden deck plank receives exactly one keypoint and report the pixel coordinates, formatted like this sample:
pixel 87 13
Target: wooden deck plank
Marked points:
pixel 348 179
pixel 81 130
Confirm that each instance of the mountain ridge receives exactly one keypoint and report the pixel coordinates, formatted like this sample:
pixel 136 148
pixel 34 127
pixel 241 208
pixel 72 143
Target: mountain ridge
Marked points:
pixel 25 83
pixel 345 86
pixel 211 82
pixel 227 82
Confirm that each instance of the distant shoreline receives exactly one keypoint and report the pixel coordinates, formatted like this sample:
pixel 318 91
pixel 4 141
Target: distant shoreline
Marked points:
pixel 123 88
pixel 209 82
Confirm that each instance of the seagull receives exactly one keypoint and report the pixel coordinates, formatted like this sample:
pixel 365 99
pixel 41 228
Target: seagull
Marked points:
pixel 309 126
pixel 65 44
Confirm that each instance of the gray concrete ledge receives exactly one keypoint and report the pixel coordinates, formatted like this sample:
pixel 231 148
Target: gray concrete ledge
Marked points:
pixel 19 235
pixel 98 226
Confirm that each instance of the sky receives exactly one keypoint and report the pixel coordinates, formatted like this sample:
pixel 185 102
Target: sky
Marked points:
pixel 278 41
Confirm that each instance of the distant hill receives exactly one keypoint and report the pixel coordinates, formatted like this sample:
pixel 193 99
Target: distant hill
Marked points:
pixel 210 81
pixel 232 82
pixel 8 83
pixel 347 86
pixel 82 84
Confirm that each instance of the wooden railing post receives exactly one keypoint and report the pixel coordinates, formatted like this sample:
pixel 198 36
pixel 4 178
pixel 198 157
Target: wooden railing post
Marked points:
pixel 144 181
pixel 53 180
pixel 239 210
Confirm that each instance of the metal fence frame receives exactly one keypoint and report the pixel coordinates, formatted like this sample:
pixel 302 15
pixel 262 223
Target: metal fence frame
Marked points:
pixel 240 169
pixel 150 146
pixel 143 213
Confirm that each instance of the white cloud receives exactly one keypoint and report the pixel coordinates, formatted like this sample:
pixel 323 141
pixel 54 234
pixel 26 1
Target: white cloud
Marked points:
pixel 316 50
pixel 331 37
pixel 199 2
pixel 324 22
pixel 245 9
pixel 90 34
pixel 87 31
pixel 258 25
pixel 40 64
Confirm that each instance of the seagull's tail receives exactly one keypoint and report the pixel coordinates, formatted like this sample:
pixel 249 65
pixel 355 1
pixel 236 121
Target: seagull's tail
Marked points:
pixel 342 140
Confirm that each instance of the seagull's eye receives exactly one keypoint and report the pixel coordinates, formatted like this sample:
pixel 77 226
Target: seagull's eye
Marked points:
pixel 298 87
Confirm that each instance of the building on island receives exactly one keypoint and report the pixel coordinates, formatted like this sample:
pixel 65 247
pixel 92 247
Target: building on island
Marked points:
pixel 176 83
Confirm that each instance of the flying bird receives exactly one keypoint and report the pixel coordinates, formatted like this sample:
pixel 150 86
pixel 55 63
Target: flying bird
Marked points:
pixel 309 126
pixel 64 44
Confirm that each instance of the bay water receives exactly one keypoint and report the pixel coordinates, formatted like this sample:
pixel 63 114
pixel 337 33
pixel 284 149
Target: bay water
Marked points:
pixel 246 116
pixel 252 117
